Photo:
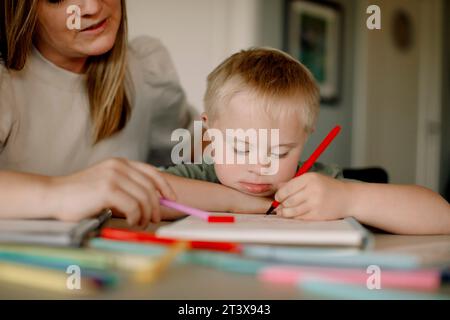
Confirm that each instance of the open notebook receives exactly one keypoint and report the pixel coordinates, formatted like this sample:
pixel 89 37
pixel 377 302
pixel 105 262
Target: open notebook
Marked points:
pixel 254 228
pixel 49 232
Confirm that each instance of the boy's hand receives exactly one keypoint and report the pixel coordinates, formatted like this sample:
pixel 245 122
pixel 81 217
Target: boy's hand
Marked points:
pixel 313 196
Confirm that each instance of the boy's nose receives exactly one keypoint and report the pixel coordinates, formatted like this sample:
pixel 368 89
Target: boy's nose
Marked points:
pixel 260 166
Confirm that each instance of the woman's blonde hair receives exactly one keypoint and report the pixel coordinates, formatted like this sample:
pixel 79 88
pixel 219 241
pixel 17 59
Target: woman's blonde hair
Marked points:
pixel 106 74
pixel 279 83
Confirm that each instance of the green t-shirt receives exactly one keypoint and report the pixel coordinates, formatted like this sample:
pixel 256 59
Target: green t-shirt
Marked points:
pixel 206 172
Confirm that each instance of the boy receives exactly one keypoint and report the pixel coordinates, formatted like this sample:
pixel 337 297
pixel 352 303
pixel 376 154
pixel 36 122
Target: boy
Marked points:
pixel 265 89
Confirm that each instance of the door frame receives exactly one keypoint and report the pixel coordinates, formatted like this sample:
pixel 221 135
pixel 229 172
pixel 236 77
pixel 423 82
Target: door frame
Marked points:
pixel 430 94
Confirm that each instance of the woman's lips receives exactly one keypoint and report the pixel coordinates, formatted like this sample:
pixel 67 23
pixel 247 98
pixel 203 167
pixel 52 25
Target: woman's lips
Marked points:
pixel 95 28
pixel 256 187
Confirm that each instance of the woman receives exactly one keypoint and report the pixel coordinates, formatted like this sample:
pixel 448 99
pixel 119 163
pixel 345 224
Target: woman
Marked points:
pixel 76 99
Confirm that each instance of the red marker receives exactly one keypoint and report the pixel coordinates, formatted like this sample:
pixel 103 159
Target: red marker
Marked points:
pixel 143 237
pixel 311 160
pixel 220 219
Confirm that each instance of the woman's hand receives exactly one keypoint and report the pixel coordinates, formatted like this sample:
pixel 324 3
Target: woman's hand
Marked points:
pixel 313 196
pixel 131 189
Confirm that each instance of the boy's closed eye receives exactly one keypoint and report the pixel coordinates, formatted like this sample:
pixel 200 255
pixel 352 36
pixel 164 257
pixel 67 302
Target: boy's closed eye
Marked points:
pixel 280 152
pixel 280 156
pixel 244 149
pixel 241 148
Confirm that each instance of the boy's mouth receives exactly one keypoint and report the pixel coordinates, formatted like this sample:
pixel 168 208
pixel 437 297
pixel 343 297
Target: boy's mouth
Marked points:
pixel 255 188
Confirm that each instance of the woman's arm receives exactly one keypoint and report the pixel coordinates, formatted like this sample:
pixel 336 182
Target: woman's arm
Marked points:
pixel 129 188
pixel 25 196
pixel 211 197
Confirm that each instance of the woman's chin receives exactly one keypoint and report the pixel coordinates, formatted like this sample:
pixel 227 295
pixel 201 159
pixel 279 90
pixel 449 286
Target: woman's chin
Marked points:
pixel 99 46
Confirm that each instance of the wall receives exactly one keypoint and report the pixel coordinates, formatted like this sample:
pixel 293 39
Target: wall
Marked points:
pixel 398 94
pixel 198 34
pixel 392 96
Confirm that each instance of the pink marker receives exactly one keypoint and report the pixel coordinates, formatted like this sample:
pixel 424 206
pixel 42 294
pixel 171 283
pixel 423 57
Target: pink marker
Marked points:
pixel 196 212
pixel 425 280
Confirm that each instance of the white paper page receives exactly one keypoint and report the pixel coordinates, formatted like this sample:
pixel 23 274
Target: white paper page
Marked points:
pixel 267 229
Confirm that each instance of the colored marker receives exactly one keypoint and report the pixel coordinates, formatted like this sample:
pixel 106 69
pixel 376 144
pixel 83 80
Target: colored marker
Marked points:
pixel 44 279
pixel 145 237
pixel 311 160
pixel 121 246
pixel 424 280
pixel 332 257
pixel 89 260
pixel 196 212
pixel 340 291
pixel 163 263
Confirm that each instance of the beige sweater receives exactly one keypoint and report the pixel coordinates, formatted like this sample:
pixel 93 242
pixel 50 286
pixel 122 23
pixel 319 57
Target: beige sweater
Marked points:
pixel 45 125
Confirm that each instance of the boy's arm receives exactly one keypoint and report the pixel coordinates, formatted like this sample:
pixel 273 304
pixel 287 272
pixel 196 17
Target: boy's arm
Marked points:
pixel 400 209
pixel 211 197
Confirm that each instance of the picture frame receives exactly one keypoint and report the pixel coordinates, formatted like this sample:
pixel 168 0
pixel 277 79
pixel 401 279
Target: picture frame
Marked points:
pixel 313 35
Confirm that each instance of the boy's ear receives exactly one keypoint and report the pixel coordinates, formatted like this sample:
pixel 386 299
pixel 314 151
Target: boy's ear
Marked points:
pixel 205 125
pixel 205 120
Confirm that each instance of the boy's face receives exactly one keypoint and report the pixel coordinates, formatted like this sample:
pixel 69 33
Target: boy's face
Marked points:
pixel 244 112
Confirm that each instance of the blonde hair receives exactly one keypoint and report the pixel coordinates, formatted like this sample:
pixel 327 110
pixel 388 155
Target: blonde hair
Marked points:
pixel 273 77
pixel 106 74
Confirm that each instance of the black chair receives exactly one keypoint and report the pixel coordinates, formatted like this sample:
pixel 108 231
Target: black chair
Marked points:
pixel 369 174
